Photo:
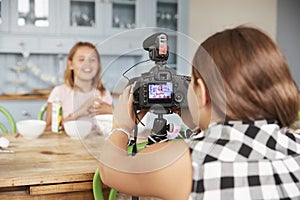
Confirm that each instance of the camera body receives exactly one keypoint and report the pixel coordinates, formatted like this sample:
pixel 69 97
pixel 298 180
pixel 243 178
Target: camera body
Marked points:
pixel 160 89
pixel 160 86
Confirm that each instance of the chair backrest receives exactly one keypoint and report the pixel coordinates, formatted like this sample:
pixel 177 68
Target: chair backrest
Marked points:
pixel 97 188
pixel 97 183
pixel 42 111
pixel 10 119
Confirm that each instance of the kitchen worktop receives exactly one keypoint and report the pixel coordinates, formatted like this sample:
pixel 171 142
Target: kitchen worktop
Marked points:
pixel 24 97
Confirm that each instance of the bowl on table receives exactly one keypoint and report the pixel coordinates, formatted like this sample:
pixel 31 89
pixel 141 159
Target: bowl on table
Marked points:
pixel 104 123
pixel 31 128
pixel 78 129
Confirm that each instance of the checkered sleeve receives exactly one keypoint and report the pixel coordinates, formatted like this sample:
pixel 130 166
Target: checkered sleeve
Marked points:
pixel 266 179
pixel 245 161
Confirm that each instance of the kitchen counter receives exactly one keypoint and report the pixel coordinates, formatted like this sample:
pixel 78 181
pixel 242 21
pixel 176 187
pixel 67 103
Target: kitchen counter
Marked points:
pixel 34 96
pixel 24 97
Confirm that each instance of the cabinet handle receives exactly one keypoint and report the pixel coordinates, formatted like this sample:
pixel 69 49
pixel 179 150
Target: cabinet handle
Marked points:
pixel 21 44
pixel 60 44
pixel 26 113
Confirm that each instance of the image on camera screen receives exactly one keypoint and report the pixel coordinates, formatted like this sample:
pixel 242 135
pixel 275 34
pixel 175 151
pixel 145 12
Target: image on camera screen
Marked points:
pixel 159 91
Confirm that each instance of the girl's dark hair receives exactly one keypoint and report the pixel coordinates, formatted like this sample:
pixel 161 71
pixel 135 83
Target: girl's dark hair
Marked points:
pixel 246 76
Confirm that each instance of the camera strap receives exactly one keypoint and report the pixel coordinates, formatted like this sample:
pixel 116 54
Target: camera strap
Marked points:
pixel 135 133
pixel 134 148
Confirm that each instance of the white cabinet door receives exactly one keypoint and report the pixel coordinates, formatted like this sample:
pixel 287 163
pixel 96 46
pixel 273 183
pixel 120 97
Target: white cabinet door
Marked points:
pixel 33 16
pixel 121 15
pixel 54 45
pixel 4 15
pixel 82 17
pixel 18 44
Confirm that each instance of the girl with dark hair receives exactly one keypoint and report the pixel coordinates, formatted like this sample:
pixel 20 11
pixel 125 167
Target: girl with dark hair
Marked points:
pixel 243 98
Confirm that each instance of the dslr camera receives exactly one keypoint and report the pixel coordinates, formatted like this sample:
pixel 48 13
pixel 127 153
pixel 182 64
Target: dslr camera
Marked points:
pixel 160 89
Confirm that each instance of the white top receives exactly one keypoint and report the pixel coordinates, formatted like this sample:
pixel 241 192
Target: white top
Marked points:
pixel 72 100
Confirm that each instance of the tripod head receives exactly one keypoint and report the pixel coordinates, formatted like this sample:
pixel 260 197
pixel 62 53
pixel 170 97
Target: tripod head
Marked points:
pixel 159 130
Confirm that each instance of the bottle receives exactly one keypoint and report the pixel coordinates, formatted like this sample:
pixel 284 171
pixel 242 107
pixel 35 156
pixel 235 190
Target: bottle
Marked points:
pixel 56 125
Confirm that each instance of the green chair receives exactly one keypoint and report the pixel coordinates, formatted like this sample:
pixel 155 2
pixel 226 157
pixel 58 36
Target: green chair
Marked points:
pixel 11 120
pixel 42 111
pixel 97 188
pixel 97 183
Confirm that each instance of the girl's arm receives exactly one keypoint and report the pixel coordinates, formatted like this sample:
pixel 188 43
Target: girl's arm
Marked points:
pixel 163 170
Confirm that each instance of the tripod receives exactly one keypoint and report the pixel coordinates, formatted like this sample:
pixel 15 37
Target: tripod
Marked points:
pixel 159 130
pixel 158 133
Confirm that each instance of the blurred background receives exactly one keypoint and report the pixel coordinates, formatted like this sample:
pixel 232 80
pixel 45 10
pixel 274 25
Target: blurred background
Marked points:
pixel 36 35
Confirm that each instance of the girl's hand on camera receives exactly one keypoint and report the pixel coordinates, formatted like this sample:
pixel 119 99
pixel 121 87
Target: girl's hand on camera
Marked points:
pixel 123 111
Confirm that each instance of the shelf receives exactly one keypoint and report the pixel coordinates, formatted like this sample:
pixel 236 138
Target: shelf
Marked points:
pixel 124 2
pixel 23 97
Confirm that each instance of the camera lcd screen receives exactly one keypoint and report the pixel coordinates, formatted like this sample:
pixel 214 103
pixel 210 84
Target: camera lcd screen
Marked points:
pixel 160 92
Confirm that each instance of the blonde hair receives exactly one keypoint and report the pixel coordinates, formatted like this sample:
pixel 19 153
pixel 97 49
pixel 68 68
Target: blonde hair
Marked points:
pixel 255 79
pixel 69 74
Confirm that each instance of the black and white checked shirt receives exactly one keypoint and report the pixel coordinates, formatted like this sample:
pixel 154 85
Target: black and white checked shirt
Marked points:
pixel 239 160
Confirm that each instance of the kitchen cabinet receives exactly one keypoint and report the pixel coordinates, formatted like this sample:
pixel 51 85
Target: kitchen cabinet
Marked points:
pixel 82 17
pixel 167 14
pixel 56 45
pixel 33 16
pixel 16 44
pixel 100 18
pixel 50 22
pixel 123 15
pixel 4 15
pixel 117 27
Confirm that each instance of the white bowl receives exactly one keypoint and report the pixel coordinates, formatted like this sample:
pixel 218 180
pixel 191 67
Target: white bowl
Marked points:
pixel 78 129
pixel 31 128
pixel 104 123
